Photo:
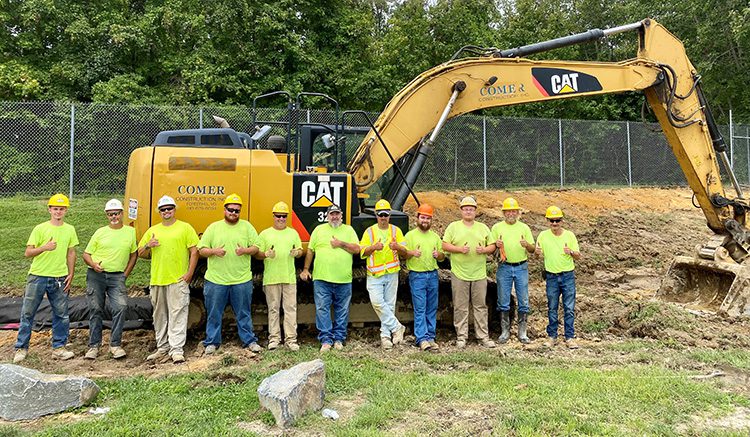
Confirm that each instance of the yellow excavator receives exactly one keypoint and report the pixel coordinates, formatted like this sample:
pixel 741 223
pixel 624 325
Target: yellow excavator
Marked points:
pixel 308 167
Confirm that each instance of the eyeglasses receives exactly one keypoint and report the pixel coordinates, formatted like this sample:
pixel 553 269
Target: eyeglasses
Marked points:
pixel 114 214
pixel 280 216
pixel 554 220
pixel 166 209
pixel 384 214
pixel 232 210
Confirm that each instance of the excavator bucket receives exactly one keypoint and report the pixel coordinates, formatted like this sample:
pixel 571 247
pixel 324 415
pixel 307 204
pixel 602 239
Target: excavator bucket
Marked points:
pixel 708 285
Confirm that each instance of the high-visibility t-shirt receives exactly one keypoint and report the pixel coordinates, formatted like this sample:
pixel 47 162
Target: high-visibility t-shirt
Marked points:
pixel 332 264
pixel 53 263
pixel 426 242
pixel 553 250
pixel 385 260
pixel 111 248
pixel 470 266
pixel 512 234
pixel 279 269
pixel 170 259
pixel 229 269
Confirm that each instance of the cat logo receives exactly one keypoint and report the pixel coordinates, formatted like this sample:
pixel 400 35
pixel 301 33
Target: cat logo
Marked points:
pixel 321 193
pixel 558 81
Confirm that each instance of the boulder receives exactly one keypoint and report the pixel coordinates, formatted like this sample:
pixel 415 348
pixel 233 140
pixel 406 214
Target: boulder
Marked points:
pixel 29 394
pixel 290 393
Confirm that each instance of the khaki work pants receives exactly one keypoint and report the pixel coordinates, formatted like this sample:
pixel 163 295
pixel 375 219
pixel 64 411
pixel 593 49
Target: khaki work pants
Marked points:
pixel 170 304
pixel 276 295
pixel 465 292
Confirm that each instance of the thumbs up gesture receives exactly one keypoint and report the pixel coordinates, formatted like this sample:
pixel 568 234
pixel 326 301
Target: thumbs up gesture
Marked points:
pixel 465 249
pixel 435 254
pixel 416 252
pixel 50 245
pixel 393 245
pixel 335 242
pixel 567 250
pixel 295 252
pixel 270 253
pixel 220 252
pixel 379 245
pixel 499 242
pixel 480 249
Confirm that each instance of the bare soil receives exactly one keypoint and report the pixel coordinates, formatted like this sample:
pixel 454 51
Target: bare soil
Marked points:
pixel 628 238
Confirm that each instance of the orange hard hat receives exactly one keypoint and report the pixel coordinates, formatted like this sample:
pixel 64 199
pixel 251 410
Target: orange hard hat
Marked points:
pixel 425 209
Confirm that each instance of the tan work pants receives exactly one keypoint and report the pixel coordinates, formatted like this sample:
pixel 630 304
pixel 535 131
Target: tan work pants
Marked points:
pixel 465 292
pixel 276 295
pixel 170 304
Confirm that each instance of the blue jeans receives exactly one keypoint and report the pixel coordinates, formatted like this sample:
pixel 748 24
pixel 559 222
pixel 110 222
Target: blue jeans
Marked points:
pixel 240 297
pixel 424 298
pixel 36 287
pixel 507 276
pixel 98 287
pixel 561 284
pixel 382 291
pixel 340 296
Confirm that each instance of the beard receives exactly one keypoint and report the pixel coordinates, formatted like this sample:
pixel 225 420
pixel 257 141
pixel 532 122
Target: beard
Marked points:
pixel 424 226
pixel 335 224
pixel 231 219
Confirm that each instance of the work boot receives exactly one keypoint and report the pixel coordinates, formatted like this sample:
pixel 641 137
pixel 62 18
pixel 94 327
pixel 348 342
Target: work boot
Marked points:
pixel 254 347
pixel 325 347
pixel 489 344
pixel 294 347
pixel 434 346
pixel 522 337
pixel 117 352
pixel 92 353
pixel 504 327
pixel 571 343
pixel 338 345
pixel 551 342
pixel 178 358
pixel 62 354
pixel 386 343
pixel 209 350
pixel 20 355
pixel 398 336
pixel 273 345
pixel 425 345
pixel 460 344
pixel 156 355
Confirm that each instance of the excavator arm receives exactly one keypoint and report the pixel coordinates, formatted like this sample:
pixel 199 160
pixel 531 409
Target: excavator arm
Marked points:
pixel 661 70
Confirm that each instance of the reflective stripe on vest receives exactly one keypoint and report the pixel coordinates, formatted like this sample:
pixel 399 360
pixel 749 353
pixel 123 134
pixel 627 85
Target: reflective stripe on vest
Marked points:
pixel 371 267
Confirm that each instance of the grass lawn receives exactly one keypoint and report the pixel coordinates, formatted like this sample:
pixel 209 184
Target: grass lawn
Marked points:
pixel 19 215
pixel 415 393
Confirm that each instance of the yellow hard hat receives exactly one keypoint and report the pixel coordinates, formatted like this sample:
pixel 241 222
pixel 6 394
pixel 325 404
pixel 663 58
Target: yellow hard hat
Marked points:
pixel 553 212
pixel 59 200
pixel 280 208
pixel 382 205
pixel 233 198
pixel 469 201
pixel 510 204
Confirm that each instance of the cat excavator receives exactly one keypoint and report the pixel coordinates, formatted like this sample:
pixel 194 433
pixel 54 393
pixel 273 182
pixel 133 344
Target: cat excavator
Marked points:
pixel 716 277
pixel 200 167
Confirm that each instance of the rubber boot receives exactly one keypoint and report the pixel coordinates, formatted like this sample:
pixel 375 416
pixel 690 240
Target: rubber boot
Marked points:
pixel 522 337
pixel 504 327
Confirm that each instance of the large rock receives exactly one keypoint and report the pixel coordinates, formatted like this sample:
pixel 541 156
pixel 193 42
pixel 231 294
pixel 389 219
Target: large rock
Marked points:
pixel 290 393
pixel 28 393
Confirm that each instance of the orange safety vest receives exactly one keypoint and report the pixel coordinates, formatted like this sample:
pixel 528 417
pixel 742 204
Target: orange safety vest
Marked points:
pixel 374 268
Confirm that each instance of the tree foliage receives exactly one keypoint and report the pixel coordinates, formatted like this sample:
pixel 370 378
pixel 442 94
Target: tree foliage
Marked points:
pixel 358 51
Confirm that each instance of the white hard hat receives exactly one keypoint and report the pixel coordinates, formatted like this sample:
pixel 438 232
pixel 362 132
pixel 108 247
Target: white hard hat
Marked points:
pixel 113 204
pixel 165 200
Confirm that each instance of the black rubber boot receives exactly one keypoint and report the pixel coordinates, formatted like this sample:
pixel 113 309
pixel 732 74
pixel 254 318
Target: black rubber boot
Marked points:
pixel 504 327
pixel 522 337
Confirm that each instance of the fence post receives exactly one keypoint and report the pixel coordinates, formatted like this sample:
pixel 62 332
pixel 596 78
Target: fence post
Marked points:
pixel 560 143
pixel 308 115
pixel 484 148
pixel 630 163
pixel 200 118
pixel 455 165
pixel 72 147
pixel 731 140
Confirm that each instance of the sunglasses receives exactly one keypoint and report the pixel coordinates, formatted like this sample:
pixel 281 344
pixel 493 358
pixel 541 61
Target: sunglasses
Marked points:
pixel 233 210
pixel 114 214
pixel 166 208
pixel 554 220
pixel 384 214
pixel 280 216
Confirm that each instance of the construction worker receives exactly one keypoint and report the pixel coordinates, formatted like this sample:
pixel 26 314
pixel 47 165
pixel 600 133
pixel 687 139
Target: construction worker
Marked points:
pixel 559 247
pixel 424 250
pixel 333 245
pixel 279 246
pixel 52 247
pixel 381 245
pixel 228 244
pixel 171 245
pixel 469 242
pixel 111 255
pixel 515 242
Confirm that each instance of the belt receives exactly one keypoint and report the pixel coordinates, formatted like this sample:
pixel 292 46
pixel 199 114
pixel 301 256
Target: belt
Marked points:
pixel 558 274
pixel 516 264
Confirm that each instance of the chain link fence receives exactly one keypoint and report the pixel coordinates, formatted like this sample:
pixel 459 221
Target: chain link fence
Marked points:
pixel 84 148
